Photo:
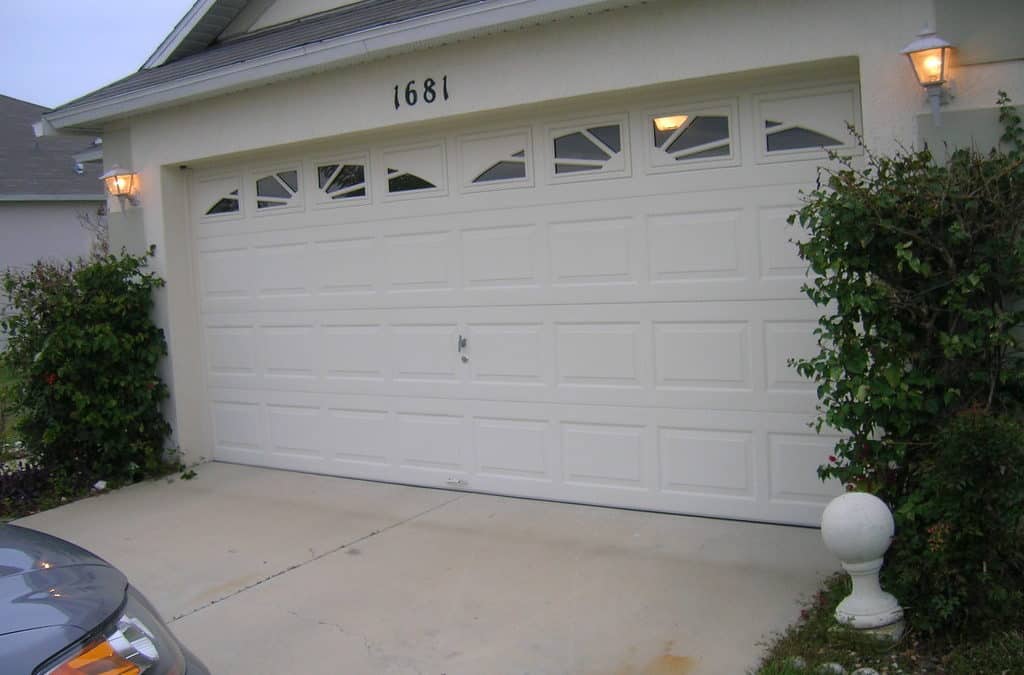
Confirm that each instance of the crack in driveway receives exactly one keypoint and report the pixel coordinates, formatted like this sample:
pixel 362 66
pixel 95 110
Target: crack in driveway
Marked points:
pixel 313 559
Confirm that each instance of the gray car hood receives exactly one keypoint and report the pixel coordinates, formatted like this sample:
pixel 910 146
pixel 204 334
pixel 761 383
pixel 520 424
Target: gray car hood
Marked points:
pixel 52 593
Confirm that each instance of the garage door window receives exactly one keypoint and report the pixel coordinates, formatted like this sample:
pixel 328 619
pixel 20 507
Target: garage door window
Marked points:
pixel 803 124
pixel 277 189
pixel 685 137
pixel 507 169
pixel 416 170
pixel 781 137
pixel 226 204
pixel 495 160
pixel 341 181
pixel 589 149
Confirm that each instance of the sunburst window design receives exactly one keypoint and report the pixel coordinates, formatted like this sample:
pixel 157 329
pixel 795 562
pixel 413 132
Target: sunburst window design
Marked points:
pixel 277 189
pixel 341 181
pixel 403 181
pixel 226 204
pixel 597 148
pixel 512 168
pixel 780 136
pixel 689 137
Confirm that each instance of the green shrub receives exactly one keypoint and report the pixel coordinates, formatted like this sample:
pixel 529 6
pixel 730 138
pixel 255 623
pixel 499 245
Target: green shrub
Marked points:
pixel 958 558
pixel 83 354
pixel 919 270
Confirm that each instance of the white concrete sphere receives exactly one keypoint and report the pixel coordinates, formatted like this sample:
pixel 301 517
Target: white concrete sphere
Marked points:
pixel 857 527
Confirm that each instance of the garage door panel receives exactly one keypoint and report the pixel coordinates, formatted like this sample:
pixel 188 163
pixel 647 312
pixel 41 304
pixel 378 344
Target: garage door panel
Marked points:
pixel 741 464
pixel 420 262
pixel 508 353
pixel 702 246
pixel 702 252
pixel 512 450
pixel 508 256
pixel 682 355
pixel 345 266
pixel 595 251
pixel 431 442
pixel 627 332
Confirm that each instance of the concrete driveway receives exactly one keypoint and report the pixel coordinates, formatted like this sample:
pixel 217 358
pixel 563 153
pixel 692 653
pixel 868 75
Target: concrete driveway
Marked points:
pixel 263 571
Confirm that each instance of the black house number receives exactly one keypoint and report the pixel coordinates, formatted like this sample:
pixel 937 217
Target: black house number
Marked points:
pixel 428 91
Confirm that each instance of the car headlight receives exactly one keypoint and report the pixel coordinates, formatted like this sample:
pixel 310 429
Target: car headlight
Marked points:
pixel 137 642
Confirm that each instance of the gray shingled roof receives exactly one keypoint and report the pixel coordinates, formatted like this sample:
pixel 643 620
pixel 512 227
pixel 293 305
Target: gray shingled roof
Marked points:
pixel 341 22
pixel 40 166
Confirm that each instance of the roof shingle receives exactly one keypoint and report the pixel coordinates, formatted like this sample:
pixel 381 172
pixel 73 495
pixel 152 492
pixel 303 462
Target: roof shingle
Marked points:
pixel 347 20
pixel 40 166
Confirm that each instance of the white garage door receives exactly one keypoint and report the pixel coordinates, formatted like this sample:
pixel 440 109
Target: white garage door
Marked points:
pixel 586 303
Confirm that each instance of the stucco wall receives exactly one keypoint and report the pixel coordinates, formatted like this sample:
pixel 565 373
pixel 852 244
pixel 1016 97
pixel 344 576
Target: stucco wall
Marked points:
pixel 646 45
pixel 30 231
pixel 33 230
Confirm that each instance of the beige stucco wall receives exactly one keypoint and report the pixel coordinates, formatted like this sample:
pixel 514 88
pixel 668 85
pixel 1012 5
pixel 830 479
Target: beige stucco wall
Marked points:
pixel 31 231
pixel 642 46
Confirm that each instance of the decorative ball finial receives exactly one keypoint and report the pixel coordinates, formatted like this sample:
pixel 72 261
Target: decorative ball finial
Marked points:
pixel 858 528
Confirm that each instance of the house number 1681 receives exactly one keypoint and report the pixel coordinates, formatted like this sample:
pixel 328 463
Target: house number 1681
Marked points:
pixel 430 91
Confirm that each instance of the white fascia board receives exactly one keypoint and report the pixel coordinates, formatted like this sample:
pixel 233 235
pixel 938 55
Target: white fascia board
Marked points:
pixel 90 155
pixel 53 198
pixel 337 52
pixel 181 31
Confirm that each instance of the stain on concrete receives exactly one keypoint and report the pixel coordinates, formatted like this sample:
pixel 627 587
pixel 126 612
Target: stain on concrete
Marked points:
pixel 665 664
pixel 669 664
pixel 352 550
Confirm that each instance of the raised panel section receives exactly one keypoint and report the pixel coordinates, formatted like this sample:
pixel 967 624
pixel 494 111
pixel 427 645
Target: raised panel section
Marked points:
pixel 509 448
pixel 792 460
pixel 784 340
pixel 294 430
pixel 698 461
pixel 354 352
pixel 419 261
pixel 281 270
pixel 603 455
pixel 500 256
pixel 345 265
pixel 225 273
pixel 424 352
pixel 230 350
pixel 599 354
pixel 702 355
pixel 777 238
pixel 288 350
pixel 591 252
pixel 506 353
pixel 237 426
pixel 430 441
pixel 358 437
pixel 694 246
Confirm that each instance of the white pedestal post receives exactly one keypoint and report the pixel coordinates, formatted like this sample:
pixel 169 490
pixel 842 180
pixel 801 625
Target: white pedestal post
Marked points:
pixel 858 528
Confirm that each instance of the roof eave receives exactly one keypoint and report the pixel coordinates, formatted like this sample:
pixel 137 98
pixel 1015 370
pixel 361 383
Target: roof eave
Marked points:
pixel 377 42
pixel 181 31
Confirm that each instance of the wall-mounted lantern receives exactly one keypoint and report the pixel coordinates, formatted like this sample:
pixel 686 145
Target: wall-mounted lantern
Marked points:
pixel 929 57
pixel 122 184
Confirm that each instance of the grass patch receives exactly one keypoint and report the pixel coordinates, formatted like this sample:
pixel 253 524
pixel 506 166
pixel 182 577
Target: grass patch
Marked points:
pixel 816 639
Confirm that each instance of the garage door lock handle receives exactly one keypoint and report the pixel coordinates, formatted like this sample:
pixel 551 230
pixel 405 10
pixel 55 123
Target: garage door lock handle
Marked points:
pixel 461 344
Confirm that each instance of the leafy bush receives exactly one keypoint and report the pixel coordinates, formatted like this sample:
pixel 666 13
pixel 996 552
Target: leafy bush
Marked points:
pixel 919 269
pixel 83 353
pixel 959 558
